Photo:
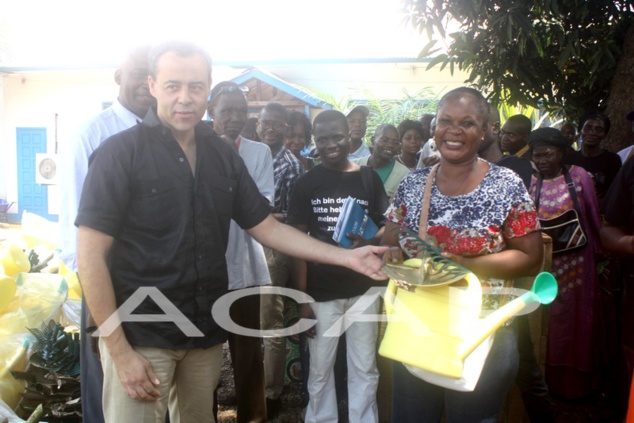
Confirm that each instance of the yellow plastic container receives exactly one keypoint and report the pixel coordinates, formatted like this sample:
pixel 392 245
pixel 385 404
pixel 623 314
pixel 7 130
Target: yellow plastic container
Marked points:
pixel 7 292
pixel 14 260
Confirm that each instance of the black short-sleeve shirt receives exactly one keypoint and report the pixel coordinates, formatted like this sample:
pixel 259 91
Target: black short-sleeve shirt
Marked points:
pixel 170 228
pixel 603 169
pixel 519 165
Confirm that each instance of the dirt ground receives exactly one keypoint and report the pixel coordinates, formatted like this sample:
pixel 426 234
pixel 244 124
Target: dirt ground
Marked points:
pixel 291 397
pixel 592 410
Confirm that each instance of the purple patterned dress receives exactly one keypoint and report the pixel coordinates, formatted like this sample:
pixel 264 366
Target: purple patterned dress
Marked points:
pixel 573 334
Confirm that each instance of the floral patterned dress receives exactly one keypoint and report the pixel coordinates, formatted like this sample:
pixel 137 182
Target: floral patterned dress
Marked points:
pixel 472 224
pixel 573 333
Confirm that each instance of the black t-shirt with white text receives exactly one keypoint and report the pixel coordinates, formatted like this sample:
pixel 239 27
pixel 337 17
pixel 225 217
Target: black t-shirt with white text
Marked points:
pixel 316 202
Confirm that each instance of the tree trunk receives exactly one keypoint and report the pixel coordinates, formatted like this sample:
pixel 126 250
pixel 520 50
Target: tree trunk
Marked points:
pixel 621 99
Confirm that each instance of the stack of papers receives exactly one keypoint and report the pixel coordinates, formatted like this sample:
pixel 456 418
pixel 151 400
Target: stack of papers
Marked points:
pixel 353 219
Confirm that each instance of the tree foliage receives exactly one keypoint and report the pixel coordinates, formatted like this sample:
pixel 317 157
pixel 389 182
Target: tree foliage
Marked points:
pixel 557 54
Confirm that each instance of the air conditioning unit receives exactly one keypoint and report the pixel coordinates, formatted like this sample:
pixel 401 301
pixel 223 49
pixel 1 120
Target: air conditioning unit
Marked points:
pixel 46 168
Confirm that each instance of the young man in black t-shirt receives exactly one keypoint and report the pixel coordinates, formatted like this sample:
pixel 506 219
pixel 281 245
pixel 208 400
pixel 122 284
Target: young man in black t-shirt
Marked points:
pixel 315 204
pixel 602 165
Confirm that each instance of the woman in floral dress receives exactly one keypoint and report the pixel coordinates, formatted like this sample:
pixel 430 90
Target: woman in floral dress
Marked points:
pixel 572 357
pixel 482 217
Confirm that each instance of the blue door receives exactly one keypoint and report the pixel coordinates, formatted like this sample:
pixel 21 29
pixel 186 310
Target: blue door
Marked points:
pixel 32 197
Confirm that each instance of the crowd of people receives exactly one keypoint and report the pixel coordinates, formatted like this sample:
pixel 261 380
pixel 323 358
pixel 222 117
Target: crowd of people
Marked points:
pixel 189 205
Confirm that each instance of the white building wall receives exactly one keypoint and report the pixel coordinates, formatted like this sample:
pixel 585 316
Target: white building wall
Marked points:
pixel 57 101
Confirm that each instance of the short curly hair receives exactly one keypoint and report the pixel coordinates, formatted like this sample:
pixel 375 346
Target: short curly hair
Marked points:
pixel 295 118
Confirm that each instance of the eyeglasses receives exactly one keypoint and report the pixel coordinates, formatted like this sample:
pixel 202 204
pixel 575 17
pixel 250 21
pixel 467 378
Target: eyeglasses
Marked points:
pixel 273 124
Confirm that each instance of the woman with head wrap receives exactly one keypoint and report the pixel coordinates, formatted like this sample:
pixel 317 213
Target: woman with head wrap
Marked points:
pixel 572 355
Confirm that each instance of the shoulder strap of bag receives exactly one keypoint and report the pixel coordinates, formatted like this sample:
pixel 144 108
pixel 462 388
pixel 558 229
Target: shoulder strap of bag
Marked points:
pixel 573 191
pixel 378 203
pixel 424 212
pixel 538 190
pixel 366 178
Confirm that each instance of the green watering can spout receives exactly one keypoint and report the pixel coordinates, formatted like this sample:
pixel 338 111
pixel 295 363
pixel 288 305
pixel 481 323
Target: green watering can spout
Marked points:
pixel 545 288
pixel 543 291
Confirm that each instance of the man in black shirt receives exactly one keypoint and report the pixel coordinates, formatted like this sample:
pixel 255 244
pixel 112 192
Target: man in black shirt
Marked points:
pixel 491 151
pixel 603 165
pixel 514 136
pixel 153 224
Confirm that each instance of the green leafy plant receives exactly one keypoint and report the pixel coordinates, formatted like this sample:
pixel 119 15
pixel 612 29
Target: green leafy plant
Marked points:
pixel 410 106
pixel 393 111
pixel 36 264
pixel 55 350
pixel 52 374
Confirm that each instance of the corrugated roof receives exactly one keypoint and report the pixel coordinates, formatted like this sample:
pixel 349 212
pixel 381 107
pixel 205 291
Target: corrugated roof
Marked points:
pixel 280 84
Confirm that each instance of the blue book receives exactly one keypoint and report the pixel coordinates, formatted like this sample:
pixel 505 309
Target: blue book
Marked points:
pixel 353 219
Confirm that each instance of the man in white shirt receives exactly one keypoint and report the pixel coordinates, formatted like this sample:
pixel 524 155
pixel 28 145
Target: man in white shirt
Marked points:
pixel 246 261
pixel 132 104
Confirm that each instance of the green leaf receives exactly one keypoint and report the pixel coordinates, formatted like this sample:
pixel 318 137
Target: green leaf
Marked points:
pixel 426 51
pixel 441 58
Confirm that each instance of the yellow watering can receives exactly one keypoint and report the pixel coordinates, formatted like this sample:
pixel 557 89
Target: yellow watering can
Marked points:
pixel 436 327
